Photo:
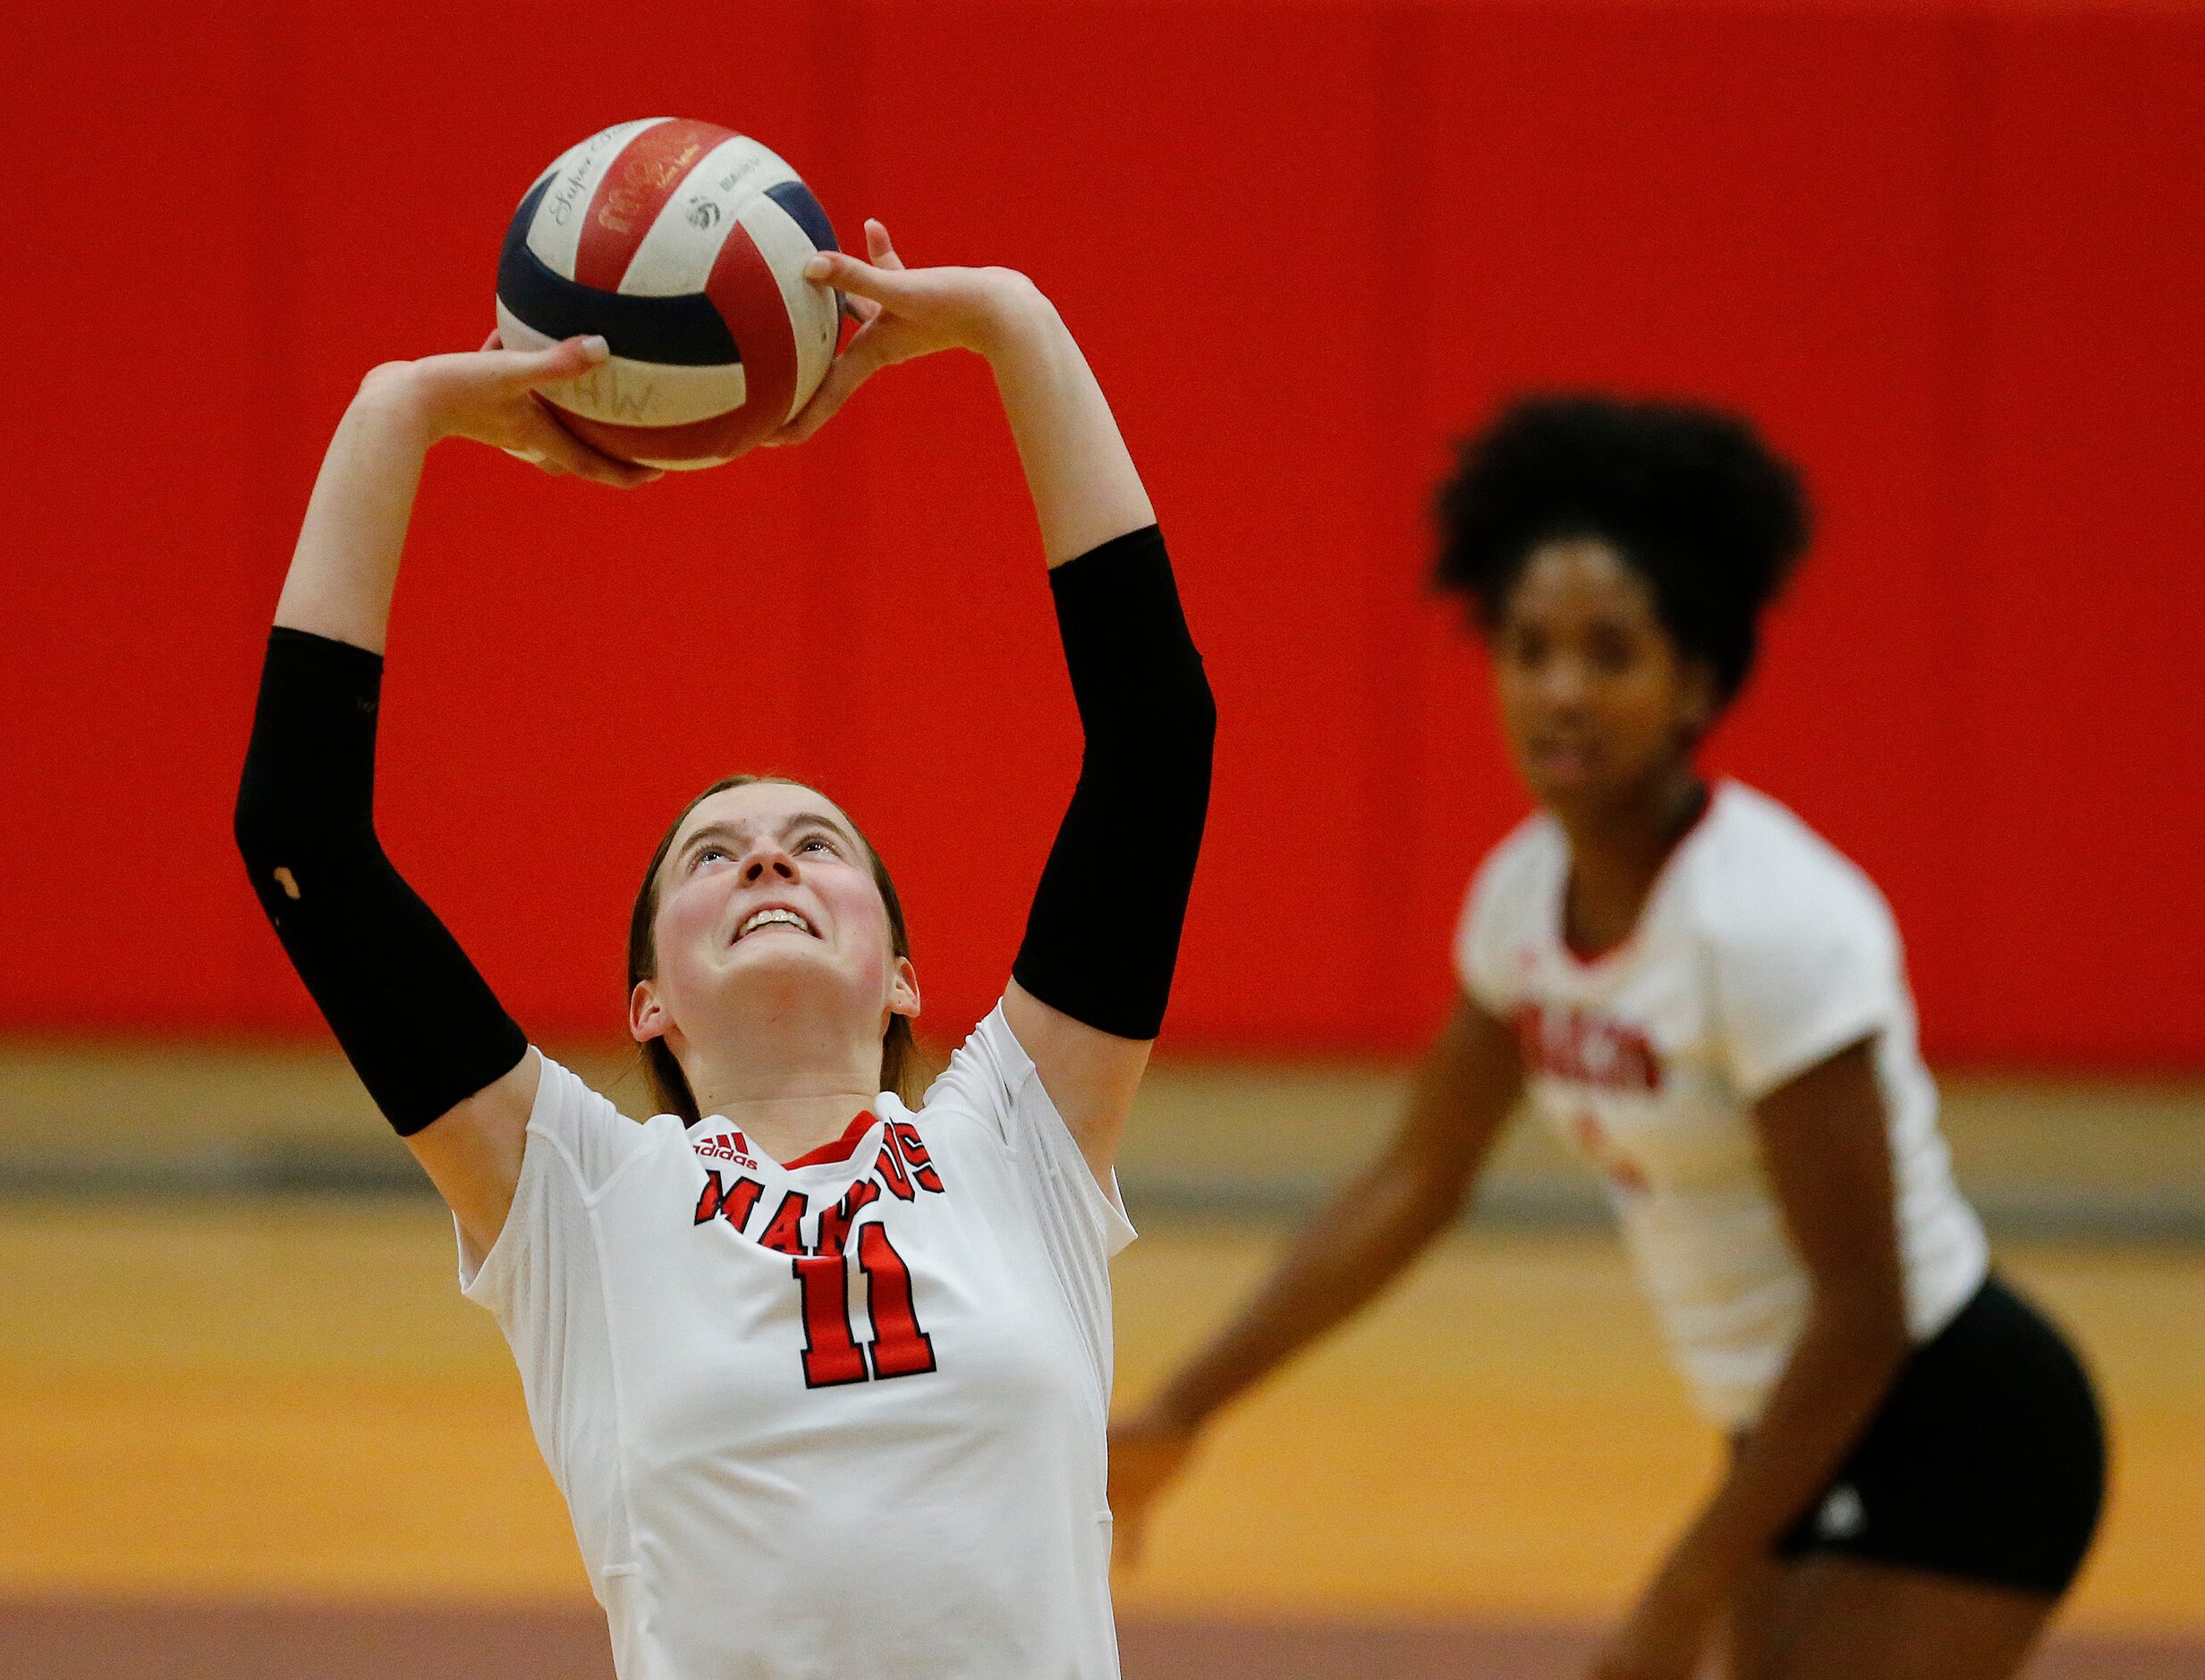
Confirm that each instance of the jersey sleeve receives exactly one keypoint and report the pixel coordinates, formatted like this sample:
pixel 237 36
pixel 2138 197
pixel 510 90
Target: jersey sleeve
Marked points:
pixel 577 1144
pixel 1081 1225
pixel 1490 927
pixel 1807 961
pixel 544 1283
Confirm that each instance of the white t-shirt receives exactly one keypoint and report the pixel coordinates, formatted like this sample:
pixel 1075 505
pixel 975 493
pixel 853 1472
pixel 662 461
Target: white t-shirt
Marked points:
pixel 845 1417
pixel 1760 952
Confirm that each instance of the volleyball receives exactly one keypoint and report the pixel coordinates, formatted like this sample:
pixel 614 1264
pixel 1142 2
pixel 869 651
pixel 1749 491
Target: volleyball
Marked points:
pixel 683 245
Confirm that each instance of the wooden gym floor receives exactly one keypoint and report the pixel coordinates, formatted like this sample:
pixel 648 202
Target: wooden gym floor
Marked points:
pixel 259 1434
pixel 286 1404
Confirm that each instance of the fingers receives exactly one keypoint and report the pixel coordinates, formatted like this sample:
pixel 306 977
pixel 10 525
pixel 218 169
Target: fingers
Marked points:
pixel 569 359
pixel 557 450
pixel 857 364
pixel 846 274
pixel 879 247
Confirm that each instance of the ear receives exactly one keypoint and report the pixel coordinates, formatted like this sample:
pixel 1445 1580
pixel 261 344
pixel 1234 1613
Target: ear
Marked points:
pixel 647 1016
pixel 904 990
pixel 1701 703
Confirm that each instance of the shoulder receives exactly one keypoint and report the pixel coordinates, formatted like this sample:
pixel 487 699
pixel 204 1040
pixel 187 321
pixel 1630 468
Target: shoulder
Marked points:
pixel 1525 861
pixel 985 1075
pixel 593 1137
pixel 1511 898
pixel 1805 957
pixel 1758 876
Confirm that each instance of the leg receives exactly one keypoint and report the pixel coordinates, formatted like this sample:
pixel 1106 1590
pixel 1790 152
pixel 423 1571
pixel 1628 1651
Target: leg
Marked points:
pixel 1846 1618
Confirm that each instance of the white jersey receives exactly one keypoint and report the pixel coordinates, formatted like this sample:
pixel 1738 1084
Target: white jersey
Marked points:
pixel 1760 952
pixel 843 1417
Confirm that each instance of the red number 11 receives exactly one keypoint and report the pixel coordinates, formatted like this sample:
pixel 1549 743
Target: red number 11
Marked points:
pixel 832 1356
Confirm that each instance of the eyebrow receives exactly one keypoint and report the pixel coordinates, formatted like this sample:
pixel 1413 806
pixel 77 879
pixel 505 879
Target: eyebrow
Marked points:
pixel 801 819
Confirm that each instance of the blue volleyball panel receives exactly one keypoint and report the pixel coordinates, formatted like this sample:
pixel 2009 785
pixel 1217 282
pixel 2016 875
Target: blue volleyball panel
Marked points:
pixel 804 210
pixel 686 331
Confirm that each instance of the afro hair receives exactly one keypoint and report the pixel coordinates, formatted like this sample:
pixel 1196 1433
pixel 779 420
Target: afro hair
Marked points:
pixel 1691 498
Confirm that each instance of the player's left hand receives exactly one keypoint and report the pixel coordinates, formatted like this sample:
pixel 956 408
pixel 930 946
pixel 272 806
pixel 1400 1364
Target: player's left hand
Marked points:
pixel 1662 1638
pixel 903 314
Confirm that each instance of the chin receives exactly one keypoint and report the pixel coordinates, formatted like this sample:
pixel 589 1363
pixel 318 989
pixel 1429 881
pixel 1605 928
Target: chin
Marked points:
pixel 793 952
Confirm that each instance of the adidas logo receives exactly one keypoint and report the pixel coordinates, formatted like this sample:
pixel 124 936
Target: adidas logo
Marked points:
pixel 725 1146
pixel 1843 1514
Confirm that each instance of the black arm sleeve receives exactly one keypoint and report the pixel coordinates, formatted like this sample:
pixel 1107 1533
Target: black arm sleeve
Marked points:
pixel 1103 935
pixel 418 1022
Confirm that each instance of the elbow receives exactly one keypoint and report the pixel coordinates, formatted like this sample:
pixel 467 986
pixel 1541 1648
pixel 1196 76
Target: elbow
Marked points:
pixel 1182 724
pixel 1199 710
pixel 1867 1320
pixel 1433 1194
pixel 257 825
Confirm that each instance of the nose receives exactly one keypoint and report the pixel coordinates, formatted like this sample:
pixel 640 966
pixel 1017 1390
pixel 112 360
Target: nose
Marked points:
pixel 1562 684
pixel 767 857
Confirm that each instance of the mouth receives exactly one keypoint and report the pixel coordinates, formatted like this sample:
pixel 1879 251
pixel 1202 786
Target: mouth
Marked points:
pixel 1563 760
pixel 775 916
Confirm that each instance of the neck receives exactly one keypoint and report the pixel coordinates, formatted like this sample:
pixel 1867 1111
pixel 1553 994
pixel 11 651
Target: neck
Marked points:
pixel 791 1082
pixel 1617 853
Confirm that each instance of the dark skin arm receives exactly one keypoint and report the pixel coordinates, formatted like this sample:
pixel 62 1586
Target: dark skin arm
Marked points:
pixel 1828 1160
pixel 1366 1235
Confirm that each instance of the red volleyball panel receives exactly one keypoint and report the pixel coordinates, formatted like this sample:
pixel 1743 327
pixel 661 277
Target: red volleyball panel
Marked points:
pixel 633 189
pixel 749 299
pixel 714 439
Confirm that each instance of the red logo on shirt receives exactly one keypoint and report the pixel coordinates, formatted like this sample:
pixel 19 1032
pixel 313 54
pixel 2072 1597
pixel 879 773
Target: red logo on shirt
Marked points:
pixel 727 1146
pixel 1594 1143
pixel 1576 1044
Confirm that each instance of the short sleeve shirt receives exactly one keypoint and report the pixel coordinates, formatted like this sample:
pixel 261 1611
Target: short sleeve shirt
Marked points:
pixel 844 1416
pixel 1760 952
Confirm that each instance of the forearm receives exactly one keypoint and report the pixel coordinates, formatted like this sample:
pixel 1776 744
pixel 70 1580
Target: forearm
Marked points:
pixel 1081 476
pixel 1102 938
pixel 344 568
pixel 418 1022
pixel 1379 1222
pixel 1363 1239
pixel 1840 1367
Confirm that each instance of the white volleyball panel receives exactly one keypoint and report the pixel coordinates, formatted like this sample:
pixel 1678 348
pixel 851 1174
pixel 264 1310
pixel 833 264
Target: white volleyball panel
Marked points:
pixel 556 231
pixel 684 466
pixel 677 251
pixel 786 248
pixel 624 392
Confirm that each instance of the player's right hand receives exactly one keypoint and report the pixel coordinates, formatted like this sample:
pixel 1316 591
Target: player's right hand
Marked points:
pixel 1147 1451
pixel 489 394
pixel 906 313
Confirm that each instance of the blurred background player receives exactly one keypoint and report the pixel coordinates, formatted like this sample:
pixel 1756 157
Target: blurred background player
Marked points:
pixel 1708 1004
pixel 823 1377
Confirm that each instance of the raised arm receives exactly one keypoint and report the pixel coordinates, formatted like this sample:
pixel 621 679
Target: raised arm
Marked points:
pixel 1366 1235
pixel 1094 971
pixel 444 1062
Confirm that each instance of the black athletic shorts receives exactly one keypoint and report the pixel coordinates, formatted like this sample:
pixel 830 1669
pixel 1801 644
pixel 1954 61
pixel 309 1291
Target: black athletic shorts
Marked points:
pixel 1986 1461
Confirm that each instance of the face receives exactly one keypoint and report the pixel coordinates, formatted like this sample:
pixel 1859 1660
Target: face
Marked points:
pixel 765 888
pixel 1596 701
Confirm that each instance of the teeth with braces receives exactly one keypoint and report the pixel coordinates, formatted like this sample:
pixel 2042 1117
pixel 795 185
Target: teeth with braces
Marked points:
pixel 764 918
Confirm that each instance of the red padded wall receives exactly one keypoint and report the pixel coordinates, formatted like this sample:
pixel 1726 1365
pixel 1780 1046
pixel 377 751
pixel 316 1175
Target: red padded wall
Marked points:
pixel 1949 256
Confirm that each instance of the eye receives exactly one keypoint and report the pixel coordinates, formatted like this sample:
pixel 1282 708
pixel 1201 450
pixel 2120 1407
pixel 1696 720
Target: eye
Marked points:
pixel 707 852
pixel 817 842
pixel 1523 645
